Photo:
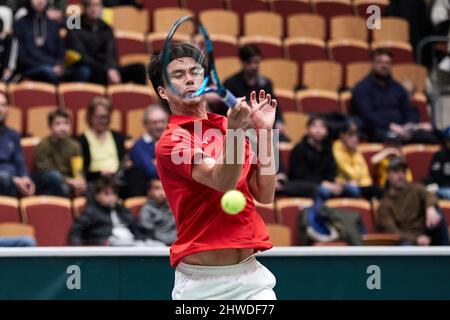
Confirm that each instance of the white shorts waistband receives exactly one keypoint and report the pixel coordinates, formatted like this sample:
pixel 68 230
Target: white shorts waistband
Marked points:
pixel 218 270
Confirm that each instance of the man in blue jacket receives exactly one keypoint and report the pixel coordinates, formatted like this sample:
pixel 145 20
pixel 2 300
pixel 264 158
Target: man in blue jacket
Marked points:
pixel 383 105
pixel 13 171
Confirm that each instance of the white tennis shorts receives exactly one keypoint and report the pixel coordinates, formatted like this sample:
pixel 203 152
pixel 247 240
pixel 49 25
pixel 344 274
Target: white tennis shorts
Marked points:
pixel 248 280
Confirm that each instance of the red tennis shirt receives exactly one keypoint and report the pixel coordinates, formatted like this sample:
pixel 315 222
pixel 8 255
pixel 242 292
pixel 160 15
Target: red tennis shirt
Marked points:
pixel 202 224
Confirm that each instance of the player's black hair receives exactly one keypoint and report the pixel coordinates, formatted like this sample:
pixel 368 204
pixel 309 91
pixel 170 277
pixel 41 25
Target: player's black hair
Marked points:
pixel 177 51
pixel 58 113
pixel 248 51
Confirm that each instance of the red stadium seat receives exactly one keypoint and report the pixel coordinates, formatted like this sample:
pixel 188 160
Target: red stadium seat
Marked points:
pixel 77 96
pixel 333 8
pixel 163 18
pixel 419 157
pixel 224 45
pixel 267 212
pixel 302 50
pixel 197 6
pixel 29 147
pixel 295 125
pixel 288 7
pixel 368 150
pixel 14 119
pixel 155 41
pixel 361 206
pixel 290 211
pixel 345 99
pixel 129 43
pixel 243 7
pixel 348 27
pixel 413 72
pixel 9 209
pixel 392 29
pixel 282 72
pixel 362 5
pixel 129 18
pixel 286 100
pixel 270 47
pixel 401 51
pixel 263 23
pixel 314 71
pixel 29 94
pixel 14 229
pixel 51 218
pixel 135 204
pixel 285 154
pixel 306 25
pixel 419 100
pixel 355 72
pixel 152 5
pixel 126 97
pixel 318 101
pixel 279 235
pixel 224 22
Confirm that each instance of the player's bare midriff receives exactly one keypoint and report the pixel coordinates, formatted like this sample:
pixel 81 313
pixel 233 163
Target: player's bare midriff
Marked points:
pixel 223 257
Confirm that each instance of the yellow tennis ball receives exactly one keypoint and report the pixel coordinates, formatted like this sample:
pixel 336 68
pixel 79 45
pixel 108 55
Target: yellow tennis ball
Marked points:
pixel 233 202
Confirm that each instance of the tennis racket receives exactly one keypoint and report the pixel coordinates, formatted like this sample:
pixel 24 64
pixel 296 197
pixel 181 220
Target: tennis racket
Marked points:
pixel 190 28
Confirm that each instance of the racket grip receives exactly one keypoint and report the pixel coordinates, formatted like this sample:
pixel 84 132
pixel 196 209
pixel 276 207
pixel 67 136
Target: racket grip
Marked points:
pixel 229 99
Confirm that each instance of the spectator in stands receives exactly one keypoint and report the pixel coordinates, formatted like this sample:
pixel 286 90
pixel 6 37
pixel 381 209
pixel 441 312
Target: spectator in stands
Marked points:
pixel 353 171
pixel 383 105
pixel 41 48
pixel 439 177
pixel 249 79
pixel 440 16
pixel 19 241
pixel 58 159
pixel 380 160
pixel 410 211
pixel 96 45
pixel 156 216
pixel 313 169
pixel 142 154
pixel 105 221
pixel 103 148
pixel 57 10
pixel 13 170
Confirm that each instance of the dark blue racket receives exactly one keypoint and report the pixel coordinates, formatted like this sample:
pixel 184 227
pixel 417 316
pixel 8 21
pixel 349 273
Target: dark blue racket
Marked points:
pixel 199 37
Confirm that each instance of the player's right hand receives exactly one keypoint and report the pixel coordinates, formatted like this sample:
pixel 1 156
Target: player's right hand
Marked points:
pixel 239 116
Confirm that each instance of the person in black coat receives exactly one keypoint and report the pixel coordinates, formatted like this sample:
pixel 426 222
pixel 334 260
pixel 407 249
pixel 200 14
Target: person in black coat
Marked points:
pixel 105 221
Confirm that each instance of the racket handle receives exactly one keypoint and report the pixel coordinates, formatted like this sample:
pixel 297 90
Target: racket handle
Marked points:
pixel 229 99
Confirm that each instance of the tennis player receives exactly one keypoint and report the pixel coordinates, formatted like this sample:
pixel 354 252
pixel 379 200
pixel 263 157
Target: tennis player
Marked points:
pixel 214 253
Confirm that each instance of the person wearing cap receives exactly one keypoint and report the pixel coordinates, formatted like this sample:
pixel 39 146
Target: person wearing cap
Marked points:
pixel 353 171
pixel 410 211
pixel 439 176
pixel 380 161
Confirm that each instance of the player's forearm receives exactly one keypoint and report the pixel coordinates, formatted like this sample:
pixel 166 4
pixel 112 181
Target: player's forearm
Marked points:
pixel 265 175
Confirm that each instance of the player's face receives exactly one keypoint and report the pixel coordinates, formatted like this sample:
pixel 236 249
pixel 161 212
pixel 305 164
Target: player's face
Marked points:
pixel 107 198
pixel 60 127
pixel 318 131
pixel 382 65
pixel 94 9
pixel 156 123
pixel 156 192
pixel 3 108
pixel 186 75
pixel 39 5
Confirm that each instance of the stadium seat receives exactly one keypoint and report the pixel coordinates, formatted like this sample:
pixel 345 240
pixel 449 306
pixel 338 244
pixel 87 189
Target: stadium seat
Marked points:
pixel 224 45
pixel 348 27
pixel 27 94
pixel 133 124
pixel 37 121
pixel 220 22
pixel 314 71
pixel 295 125
pixel 368 150
pixel 345 99
pixel 392 29
pixel 363 207
pixel 286 100
pixel 279 235
pixel 243 7
pixel 381 239
pixel 198 6
pixel 16 230
pixel 348 51
pixel 135 204
pixel 419 158
pixel 290 210
pixel 401 51
pixel 133 58
pixel 81 125
pixel 285 154
pixel 152 5
pixel 267 212
pixel 51 218
pixel 306 25
pixel 129 18
pixel 332 8
pixel 419 100
pixel 129 43
pixel 78 206
pixel 270 47
pixel 318 101
pixel 362 5
pixel 76 96
pixel 227 67
pixel 29 147
pixel 163 18
pixel 282 72
pixel 125 97
pixel 15 119
pixel 355 72
pixel 302 50
pixel 263 23
pixel 445 207
pixel 9 209
pixel 155 41
pixel 288 7
pixel 415 73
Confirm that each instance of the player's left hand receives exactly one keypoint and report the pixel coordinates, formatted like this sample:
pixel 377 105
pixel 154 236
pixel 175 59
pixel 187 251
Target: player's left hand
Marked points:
pixel 263 110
